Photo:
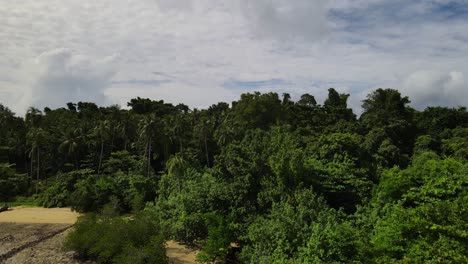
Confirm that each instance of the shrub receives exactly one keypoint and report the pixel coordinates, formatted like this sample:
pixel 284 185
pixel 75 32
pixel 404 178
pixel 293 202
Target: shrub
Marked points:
pixel 217 245
pixel 59 193
pixel 118 240
pixel 11 183
pixel 85 192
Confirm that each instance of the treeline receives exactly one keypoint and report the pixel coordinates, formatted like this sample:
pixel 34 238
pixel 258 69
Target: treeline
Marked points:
pixel 264 180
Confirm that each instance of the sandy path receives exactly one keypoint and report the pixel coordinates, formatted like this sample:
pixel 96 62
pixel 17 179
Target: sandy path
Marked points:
pixel 34 244
pixel 34 235
pixel 22 225
pixel 37 215
pixel 180 254
pixel 48 251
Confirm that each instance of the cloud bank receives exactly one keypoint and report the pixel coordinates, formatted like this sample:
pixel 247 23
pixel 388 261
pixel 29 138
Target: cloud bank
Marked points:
pixel 436 88
pixel 59 76
pixel 67 77
pixel 200 52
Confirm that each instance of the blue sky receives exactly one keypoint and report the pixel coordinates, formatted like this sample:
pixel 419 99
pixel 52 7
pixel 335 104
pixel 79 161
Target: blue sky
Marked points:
pixel 201 52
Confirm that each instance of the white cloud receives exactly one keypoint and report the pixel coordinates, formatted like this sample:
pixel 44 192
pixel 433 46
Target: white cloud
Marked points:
pixel 199 45
pixel 60 76
pixel 194 96
pixel 288 19
pixel 175 5
pixel 430 88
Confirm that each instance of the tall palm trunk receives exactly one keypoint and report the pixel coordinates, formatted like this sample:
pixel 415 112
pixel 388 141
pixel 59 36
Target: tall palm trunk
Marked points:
pixel 75 160
pixel 149 158
pixel 181 147
pixel 206 152
pixel 32 167
pixel 112 143
pixel 100 157
pixel 38 170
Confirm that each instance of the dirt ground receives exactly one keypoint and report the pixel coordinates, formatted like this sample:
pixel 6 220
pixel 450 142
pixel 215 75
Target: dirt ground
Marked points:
pixel 37 215
pixel 32 235
pixel 180 254
pixel 34 244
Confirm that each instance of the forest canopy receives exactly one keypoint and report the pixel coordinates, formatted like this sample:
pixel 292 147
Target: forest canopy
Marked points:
pixel 262 180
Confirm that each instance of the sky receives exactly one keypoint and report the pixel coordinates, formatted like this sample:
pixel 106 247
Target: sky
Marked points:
pixel 200 52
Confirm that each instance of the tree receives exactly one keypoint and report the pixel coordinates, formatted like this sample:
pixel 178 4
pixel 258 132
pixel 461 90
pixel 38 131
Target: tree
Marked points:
pixel 102 131
pixel 226 132
pixel 335 114
pixel 384 106
pixel 176 129
pixel 257 110
pixel 204 131
pixel 11 183
pixel 386 110
pixel 305 114
pixel 12 136
pixel 36 139
pixel 126 128
pixel 70 145
pixel 307 100
pixel 434 120
pixel 33 117
pixel 423 212
pixel 176 166
pixel 147 130
pixel 280 235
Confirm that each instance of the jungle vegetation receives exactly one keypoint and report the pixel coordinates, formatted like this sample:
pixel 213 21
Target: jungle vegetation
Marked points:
pixel 262 180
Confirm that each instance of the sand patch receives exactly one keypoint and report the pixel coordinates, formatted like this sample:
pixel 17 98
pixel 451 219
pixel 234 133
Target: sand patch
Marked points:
pixel 23 225
pixel 39 215
pixel 180 254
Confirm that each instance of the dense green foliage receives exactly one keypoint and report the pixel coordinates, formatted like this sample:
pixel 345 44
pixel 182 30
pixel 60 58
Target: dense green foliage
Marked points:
pixel 264 180
pixel 11 183
pixel 116 240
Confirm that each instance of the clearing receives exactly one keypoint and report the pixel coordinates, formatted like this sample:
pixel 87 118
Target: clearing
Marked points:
pixel 33 235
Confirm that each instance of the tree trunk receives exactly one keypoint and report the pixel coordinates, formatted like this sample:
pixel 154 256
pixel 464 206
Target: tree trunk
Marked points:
pixel 100 157
pixel 32 168
pixel 206 152
pixel 181 148
pixel 149 158
pixel 38 171
pixel 112 142
pixel 75 160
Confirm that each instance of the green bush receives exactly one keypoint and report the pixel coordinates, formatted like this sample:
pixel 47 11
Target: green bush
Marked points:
pixel 11 183
pixel 217 245
pixel 182 213
pixel 85 192
pixel 59 193
pixel 118 240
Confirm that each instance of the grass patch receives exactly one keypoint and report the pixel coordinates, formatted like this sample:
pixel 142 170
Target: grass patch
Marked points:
pixel 22 201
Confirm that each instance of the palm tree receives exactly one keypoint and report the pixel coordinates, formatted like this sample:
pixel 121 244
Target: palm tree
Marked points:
pixel 125 128
pixel 147 130
pixel 36 137
pixel 102 132
pixel 71 144
pixel 178 126
pixel 204 129
pixel 226 132
pixel 176 166
pixel 33 117
pixel 114 121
